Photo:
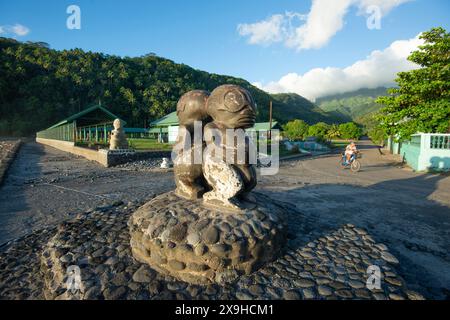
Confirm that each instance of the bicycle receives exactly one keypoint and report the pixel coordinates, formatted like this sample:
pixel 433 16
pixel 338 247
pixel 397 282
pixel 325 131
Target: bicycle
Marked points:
pixel 354 164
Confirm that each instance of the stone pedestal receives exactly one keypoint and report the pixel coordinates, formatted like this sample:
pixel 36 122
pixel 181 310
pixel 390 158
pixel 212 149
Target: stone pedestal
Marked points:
pixel 202 245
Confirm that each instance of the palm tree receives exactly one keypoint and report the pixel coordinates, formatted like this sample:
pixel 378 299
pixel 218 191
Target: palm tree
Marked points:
pixel 333 132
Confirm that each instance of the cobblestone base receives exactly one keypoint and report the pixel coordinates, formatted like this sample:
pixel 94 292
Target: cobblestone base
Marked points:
pixel 184 239
pixel 331 265
pixel 20 273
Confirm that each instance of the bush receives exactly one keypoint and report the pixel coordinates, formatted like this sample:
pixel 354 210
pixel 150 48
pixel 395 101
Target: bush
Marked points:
pixel 295 129
pixel 350 130
pixel 319 130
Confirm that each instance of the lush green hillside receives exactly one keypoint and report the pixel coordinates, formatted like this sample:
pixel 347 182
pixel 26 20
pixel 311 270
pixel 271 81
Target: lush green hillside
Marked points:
pixel 302 108
pixel 39 86
pixel 353 105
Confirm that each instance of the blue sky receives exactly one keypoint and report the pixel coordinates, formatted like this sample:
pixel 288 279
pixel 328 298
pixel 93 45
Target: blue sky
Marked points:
pixel 205 34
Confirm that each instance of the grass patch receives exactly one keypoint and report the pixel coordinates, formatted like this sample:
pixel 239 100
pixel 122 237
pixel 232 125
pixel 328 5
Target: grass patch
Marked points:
pixel 92 145
pixel 148 144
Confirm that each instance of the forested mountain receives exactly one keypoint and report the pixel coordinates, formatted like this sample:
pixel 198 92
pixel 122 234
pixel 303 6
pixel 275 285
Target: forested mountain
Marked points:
pixel 292 103
pixel 353 105
pixel 40 86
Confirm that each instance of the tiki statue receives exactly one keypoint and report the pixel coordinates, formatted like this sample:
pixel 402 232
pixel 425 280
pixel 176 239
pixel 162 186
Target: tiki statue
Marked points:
pixel 191 110
pixel 230 107
pixel 118 139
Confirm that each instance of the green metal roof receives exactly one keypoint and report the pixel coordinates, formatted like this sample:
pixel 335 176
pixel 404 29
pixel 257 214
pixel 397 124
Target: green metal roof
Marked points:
pixel 168 120
pixel 263 126
pixel 172 120
pixel 136 130
pixel 84 112
pixel 158 130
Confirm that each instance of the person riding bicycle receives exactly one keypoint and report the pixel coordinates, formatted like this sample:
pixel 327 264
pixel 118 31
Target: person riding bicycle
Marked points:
pixel 350 150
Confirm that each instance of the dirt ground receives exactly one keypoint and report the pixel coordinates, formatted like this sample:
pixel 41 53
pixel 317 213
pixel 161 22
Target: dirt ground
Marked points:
pixel 409 212
pixel 45 186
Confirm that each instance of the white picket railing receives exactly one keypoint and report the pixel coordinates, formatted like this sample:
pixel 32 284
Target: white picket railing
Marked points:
pixel 437 141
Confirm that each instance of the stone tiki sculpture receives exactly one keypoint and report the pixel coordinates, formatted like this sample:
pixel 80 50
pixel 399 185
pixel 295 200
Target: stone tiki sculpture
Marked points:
pixel 209 230
pixel 118 139
pixel 230 107
pixel 189 175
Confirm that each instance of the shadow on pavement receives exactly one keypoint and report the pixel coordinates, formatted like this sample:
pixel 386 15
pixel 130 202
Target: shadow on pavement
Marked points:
pixel 395 212
pixel 13 200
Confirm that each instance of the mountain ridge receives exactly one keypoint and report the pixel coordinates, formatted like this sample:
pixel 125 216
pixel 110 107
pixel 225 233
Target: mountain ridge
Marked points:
pixel 353 105
pixel 53 84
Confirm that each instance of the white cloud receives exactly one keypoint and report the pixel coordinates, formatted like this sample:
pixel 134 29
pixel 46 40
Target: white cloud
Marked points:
pixel 15 30
pixel 273 29
pixel 378 69
pixel 20 30
pixel 263 32
pixel 324 20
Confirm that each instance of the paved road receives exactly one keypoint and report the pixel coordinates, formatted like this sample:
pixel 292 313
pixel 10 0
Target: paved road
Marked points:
pixel 45 185
pixel 407 211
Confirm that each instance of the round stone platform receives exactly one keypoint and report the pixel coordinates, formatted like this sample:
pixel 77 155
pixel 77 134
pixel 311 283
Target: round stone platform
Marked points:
pixel 202 245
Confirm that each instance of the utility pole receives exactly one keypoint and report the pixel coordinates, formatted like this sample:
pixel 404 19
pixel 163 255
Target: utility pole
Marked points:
pixel 270 119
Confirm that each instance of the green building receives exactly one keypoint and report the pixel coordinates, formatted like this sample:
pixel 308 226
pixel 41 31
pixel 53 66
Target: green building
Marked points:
pixel 168 127
pixel 93 124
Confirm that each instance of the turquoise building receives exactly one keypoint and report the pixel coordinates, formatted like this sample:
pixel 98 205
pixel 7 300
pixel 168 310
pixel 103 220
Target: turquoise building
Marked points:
pixel 424 151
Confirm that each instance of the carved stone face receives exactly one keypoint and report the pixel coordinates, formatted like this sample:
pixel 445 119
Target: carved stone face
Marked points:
pixel 192 107
pixel 117 124
pixel 232 106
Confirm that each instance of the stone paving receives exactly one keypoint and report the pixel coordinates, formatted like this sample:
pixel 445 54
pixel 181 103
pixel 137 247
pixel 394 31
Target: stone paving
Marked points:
pixel 141 165
pixel 325 264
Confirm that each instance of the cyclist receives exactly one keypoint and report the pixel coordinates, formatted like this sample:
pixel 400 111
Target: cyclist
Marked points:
pixel 350 150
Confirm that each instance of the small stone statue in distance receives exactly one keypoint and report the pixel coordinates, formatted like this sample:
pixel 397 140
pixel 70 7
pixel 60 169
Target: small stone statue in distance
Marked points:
pixel 188 175
pixel 118 139
pixel 230 107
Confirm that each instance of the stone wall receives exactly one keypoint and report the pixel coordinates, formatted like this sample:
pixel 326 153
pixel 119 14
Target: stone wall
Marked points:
pixel 105 157
pixel 8 151
pixel 70 147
